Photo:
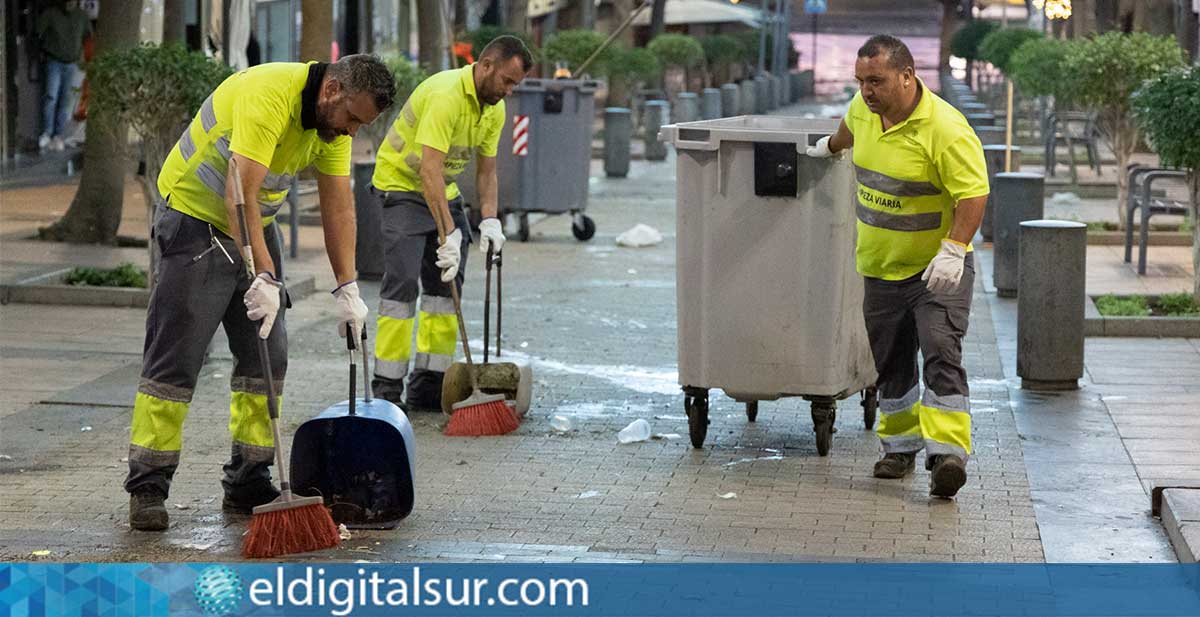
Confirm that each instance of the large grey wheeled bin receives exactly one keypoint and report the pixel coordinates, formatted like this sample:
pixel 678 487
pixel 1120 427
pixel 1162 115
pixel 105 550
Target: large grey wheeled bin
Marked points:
pixel 546 167
pixel 769 302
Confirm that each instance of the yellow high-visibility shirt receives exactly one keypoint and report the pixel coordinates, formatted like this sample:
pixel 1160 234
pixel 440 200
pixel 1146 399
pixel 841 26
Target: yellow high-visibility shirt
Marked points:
pixel 910 179
pixel 265 113
pixel 445 114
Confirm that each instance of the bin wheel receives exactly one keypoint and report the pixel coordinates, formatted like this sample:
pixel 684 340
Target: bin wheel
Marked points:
pixel 523 227
pixel 695 403
pixel 584 233
pixel 823 415
pixel 870 405
pixel 752 411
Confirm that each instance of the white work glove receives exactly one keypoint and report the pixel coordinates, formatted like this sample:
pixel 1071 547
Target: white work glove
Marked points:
pixel 945 271
pixel 350 310
pixel 262 301
pixel 821 150
pixel 491 234
pixel 449 255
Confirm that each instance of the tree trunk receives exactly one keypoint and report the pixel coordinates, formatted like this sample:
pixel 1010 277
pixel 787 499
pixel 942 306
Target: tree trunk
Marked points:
pixel 950 25
pixel 431 35
pixel 658 14
pixel 517 17
pixel 174 22
pixel 316 30
pixel 577 15
pixel 1122 136
pixel 95 212
pixel 1195 178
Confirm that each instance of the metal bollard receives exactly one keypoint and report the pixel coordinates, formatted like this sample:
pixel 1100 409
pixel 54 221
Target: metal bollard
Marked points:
pixel 687 107
pixel 749 93
pixel 980 119
pixel 730 100
pixel 710 104
pixel 994 157
pixel 656 115
pixel 1050 304
pixel 991 135
pixel 618 132
pixel 1016 197
pixel 762 92
pixel 368 244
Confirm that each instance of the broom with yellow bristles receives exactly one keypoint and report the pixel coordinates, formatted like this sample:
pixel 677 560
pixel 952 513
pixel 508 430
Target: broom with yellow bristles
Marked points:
pixel 289 524
pixel 479 414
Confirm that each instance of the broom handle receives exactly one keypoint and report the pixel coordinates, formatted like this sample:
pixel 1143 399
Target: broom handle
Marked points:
pixel 487 302
pixel 264 354
pixel 353 366
pixel 462 327
pixel 366 372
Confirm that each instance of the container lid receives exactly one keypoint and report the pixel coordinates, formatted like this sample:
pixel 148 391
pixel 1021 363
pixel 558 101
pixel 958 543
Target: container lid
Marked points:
pixel 537 84
pixel 708 134
pixel 1053 224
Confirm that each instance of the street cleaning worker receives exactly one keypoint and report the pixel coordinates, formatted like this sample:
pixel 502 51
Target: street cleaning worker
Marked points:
pixel 449 117
pixel 272 121
pixel 922 186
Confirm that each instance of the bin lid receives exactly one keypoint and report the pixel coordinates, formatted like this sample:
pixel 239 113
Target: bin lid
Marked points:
pixel 537 84
pixel 708 134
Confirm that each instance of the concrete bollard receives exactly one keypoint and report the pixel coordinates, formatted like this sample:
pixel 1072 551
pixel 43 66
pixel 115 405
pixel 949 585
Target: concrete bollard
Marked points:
pixel 656 115
pixel 730 100
pixel 990 135
pixel 687 107
pixel 776 90
pixel 710 104
pixel 808 83
pixel 618 132
pixel 762 93
pixel 368 242
pixel 1050 304
pixel 1016 197
pixel 980 119
pixel 748 105
pixel 785 89
pixel 994 157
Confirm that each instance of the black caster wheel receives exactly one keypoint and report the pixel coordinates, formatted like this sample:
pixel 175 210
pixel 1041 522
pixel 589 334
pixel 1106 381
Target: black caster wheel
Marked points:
pixel 695 403
pixel 586 231
pixel 870 405
pixel 823 417
pixel 752 411
pixel 523 227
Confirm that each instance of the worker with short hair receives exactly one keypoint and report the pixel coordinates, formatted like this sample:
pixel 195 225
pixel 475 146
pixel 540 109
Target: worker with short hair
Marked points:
pixel 272 121
pixel 922 187
pixel 449 118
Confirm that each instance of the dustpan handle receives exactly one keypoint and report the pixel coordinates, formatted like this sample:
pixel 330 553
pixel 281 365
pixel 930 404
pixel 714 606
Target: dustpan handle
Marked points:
pixel 353 367
pixel 366 373
pixel 499 300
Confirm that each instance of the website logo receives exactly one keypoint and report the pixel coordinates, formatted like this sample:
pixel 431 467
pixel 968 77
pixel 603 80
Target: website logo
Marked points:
pixel 218 591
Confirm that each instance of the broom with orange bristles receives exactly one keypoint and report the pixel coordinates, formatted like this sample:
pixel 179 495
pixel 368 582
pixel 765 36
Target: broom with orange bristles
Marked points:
pixel 479 414
pixel 289 524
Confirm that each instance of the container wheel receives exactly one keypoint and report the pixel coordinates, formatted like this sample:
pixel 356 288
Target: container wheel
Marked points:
pixel 752 410
pixel 695 403
pixel 583 232
pixel 870 404
pixel 823 415
pixel 523 227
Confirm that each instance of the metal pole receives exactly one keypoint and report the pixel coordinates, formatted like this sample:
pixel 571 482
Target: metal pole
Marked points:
pixel 814 53
pixel 776 60
pixel 764 23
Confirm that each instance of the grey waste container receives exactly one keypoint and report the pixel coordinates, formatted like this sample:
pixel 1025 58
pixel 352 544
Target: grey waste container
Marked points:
pixel 618 132
pixel 769 302
pixel 710 104
pixel 993 156
pixel 552 175
pixel 747 103
pixel 687 107
pixel 1015 197
pixel 368 245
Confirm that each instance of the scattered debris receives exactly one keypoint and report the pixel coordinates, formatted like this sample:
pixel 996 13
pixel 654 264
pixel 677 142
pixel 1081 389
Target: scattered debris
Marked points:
pixel 670 417
pixel 217 375
pixel 774 457
pixel 560 423
pixel 588 494
pixel 182 506
pixel 5 457
pixel 40 553
pixel 639 235
pixel 85 429
pixel 666 436
pixel 124 459
pixel 460 462
pixel 638 430
pixel 524 344
pixel 728 496
pixel 631 271
pixel 343 533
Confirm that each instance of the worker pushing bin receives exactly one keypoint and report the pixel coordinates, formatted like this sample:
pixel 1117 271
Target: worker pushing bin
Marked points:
pixel 769 302
pixel 545 154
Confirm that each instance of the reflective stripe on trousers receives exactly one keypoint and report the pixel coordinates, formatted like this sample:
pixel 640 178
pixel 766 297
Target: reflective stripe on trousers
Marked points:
pixel 904 318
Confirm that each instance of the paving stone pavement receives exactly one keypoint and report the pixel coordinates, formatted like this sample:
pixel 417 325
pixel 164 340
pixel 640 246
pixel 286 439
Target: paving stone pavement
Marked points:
pixel 598 323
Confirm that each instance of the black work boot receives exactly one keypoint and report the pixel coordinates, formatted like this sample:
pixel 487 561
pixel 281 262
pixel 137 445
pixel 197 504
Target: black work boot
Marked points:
pixel 895 465
pixel 243 500
pixel 391 390
pixel 247 481
pixel 948 474
pixel 148 511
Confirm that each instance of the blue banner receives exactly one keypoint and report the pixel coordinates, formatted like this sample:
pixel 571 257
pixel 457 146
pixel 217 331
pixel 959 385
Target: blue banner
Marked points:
pixel 814 6
pixel 219 590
